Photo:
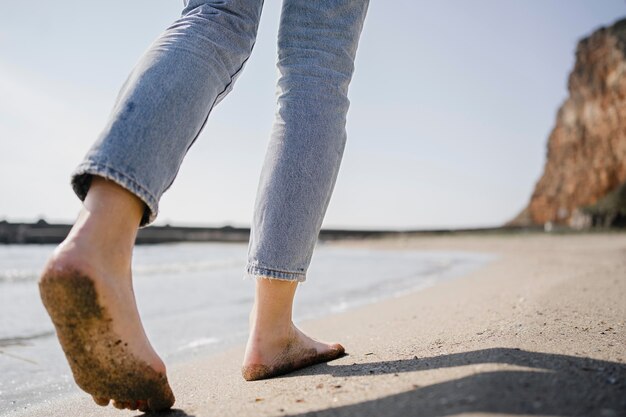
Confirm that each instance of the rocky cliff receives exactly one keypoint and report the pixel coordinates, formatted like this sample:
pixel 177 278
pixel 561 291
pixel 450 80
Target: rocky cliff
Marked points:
pixel 587 148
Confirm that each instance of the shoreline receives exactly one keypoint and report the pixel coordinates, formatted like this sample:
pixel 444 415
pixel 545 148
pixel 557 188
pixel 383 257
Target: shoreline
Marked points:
pixel 172 283
pixel 539 330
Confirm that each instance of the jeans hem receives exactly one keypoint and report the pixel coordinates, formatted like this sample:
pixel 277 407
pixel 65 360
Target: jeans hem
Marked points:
pixel 266 273
pixel 81 181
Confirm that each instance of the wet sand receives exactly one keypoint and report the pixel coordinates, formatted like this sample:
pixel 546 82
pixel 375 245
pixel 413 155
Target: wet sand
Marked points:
pixel 539 331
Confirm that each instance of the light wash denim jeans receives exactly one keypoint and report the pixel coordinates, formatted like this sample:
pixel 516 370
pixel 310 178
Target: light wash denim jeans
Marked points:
pixel 165 102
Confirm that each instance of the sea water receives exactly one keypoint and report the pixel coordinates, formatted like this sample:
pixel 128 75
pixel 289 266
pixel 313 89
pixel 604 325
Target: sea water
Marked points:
pixel 193 299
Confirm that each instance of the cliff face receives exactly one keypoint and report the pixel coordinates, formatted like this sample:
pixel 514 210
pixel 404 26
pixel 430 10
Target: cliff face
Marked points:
pixel 587 148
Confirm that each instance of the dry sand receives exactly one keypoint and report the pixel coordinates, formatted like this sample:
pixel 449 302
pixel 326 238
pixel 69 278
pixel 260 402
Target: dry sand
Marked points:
pixel 539 331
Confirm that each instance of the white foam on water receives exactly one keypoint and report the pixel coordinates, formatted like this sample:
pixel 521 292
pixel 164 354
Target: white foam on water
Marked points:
pixel 205 341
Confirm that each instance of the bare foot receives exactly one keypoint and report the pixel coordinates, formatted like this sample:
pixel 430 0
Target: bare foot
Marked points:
pixel 268 356
pixel 87 290
pixel 275 346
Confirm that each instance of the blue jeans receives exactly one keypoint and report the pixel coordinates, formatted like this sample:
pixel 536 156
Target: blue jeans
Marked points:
pixel 165 102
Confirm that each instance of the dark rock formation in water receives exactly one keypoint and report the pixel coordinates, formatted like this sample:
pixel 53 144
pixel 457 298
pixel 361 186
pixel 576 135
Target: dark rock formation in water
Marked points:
pixel 587 148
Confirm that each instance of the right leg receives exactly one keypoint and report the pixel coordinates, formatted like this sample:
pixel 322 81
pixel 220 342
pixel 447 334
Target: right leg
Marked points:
pixel 316 51
pixel 86 286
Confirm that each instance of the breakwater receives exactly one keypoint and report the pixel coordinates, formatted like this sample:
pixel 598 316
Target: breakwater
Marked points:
pixel 43 232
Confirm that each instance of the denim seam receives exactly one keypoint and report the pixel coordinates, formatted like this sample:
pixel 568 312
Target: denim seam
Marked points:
pixel 218 98
pixel 262 272
pixel 122 179
pixel 225 91
pixel 255 264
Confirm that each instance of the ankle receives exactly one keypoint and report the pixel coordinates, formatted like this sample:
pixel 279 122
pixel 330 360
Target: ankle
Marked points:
pixel 95 250
pixel 114 244
pixel 110 217
pixel 271 320
pixel 273 303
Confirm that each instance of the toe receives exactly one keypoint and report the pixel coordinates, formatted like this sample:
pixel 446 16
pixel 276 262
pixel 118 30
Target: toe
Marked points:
pixel 142 405
pixel 338 348
pixel 102 401
pixel 119 404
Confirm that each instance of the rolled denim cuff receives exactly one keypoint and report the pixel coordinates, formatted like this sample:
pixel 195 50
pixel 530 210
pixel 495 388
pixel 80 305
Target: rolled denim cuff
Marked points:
pixel 81 181
pixel 255 271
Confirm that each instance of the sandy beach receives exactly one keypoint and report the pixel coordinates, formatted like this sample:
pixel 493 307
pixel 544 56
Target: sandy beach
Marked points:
pixel 539 331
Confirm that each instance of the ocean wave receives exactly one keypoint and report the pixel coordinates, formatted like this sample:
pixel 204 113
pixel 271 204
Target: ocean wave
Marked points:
pixel 23 340
pixel 18 275
pixel 178 267
pixel 194 344
pixel 29 275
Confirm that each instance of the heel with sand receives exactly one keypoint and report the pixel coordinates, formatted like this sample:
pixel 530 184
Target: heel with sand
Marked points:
pixel 291 362
pixel 100 361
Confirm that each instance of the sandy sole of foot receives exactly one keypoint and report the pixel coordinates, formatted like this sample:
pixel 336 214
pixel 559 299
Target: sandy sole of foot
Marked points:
pixel 100 361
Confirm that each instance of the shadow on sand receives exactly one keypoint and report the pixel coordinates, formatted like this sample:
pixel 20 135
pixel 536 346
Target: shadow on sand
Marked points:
pixel 556 385
pixel 168 413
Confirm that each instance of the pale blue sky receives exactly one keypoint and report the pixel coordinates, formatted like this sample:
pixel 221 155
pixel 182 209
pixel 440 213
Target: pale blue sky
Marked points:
pixel 452 104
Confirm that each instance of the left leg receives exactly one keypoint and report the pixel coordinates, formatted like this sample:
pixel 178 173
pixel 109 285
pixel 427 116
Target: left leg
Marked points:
pixel 87 289
pixel 317 46
pixel 86 285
